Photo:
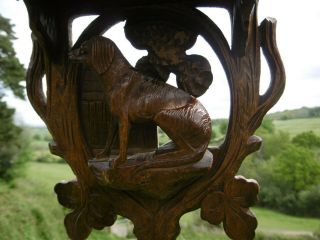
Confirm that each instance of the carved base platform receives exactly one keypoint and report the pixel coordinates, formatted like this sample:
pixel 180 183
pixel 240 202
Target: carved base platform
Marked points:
pixel 160 182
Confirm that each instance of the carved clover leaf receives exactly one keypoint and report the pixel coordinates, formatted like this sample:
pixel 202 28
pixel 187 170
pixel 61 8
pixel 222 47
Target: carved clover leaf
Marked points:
pixel 84 217
pixel 76 224
pixel 68 194
pixel 232 208
pixel 100 212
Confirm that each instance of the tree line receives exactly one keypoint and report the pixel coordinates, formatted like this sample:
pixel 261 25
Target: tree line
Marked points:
pixel 12 72
pixel 288 170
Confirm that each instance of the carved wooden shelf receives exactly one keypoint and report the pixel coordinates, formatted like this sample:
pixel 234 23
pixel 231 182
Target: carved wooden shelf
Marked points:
pixel 103 113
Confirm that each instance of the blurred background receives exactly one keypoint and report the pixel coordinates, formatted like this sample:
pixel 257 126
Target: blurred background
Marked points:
pixel 287 166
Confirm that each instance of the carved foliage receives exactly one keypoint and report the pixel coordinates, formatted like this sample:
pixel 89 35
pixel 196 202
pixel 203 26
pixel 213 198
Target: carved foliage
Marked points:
pixel 96 214
pixel 232 208
pixel 167 43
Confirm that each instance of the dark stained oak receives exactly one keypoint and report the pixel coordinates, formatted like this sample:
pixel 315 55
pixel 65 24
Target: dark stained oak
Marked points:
pixel 103 113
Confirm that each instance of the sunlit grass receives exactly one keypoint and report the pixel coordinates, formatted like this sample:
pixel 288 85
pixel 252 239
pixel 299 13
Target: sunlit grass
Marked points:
pixel 296 126
pixel 270 221
pixel 29 210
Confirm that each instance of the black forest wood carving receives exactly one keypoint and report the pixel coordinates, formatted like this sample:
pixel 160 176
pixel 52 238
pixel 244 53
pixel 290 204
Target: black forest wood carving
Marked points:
pixel 103 113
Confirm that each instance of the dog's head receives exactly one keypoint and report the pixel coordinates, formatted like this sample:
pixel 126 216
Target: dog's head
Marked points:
pixel 97 52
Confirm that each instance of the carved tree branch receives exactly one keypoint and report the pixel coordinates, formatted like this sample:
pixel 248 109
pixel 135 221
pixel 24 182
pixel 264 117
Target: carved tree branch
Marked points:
pixel 34 81
pixel 98 26
pixel 271 52
pixel 243 76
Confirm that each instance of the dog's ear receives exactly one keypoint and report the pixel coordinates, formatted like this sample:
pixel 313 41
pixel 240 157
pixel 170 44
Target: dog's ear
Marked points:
pixel 103 52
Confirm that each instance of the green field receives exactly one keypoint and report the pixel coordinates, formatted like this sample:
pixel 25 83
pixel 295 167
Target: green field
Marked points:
pixel 273 222
pixel 296 126
pixel 29 211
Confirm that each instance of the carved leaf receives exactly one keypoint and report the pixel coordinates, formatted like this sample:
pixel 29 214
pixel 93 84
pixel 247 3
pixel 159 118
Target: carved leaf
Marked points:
pixel 76 224
pixel 240 223
pixel 100 212
pixel 242 191
pixel 213 208
pixel 68 194
pixel 232 207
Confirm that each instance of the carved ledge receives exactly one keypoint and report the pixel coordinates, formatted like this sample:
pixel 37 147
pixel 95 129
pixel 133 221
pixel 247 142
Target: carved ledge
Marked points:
pixel 159 183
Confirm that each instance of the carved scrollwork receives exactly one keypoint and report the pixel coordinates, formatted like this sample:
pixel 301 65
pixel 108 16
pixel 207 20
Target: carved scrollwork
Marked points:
pixel 119 168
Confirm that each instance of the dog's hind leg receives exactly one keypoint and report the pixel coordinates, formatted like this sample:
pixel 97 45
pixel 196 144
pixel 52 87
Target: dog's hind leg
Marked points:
pixel 190 140
pixel 168 147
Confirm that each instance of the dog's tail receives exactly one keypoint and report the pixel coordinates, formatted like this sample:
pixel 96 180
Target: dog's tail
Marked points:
pixel 178 160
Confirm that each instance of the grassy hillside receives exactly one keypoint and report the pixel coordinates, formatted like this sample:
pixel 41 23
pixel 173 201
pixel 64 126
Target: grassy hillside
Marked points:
pixel 30 211
pixel 296 126
pixel 274 222
pixel 39 137
pixel 304 112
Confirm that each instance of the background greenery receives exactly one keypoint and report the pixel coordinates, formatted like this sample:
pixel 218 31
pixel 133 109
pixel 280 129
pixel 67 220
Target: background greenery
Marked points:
pixel 288 166
pixel 29 209
pixel 11 74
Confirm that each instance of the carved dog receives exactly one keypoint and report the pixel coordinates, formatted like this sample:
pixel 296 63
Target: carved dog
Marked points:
pixel 132 97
